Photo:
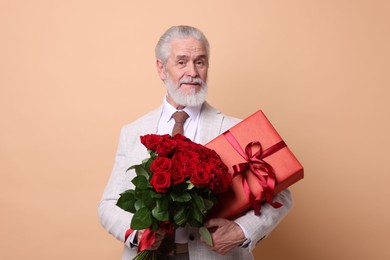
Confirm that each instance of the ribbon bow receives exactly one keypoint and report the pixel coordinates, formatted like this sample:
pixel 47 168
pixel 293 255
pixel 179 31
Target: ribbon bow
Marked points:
pixel 262 170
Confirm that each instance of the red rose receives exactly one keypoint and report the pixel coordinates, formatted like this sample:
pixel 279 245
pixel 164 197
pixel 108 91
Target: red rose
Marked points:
pixel 185 155
pixel 161 181
pixel 179 137
pixel 177 175
pixel 220 179
pixel 207 154
pixel 187 168
pixel 151 141
pixel 182 142
pixel 202 176
pixel 214 162
pixel 221 183
pixel 186 162
pixel 161 164
pixel 197 147
pixel 166 147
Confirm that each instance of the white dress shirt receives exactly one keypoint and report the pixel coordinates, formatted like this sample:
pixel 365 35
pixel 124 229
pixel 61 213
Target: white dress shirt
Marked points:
pixel 167 122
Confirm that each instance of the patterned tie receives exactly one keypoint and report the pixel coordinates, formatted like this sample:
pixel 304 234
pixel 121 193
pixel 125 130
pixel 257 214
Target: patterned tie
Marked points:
pixel 180 117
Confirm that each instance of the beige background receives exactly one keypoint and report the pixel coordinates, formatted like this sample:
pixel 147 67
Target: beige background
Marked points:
pixel 73 72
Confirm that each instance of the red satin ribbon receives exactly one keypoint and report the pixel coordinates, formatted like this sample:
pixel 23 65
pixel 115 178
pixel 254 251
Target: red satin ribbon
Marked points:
pixel 149 237
pixel 263 171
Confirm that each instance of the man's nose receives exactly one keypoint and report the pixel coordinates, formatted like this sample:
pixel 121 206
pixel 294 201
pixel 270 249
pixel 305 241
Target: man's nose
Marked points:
pixel 192 70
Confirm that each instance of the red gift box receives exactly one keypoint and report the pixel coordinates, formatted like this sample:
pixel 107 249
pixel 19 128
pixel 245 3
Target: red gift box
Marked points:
pixel 261 163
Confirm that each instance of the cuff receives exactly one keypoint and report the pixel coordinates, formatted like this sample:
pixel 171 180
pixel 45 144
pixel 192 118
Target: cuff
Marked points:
pixel 248 239
pixel 132 240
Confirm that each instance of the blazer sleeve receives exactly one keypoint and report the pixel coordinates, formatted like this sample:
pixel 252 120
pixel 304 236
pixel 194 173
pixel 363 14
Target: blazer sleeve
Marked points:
pixel 130 152
pixel 115 220
pixel 260 226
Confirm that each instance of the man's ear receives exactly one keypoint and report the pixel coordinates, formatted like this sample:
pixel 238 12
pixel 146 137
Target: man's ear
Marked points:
pixel 161 70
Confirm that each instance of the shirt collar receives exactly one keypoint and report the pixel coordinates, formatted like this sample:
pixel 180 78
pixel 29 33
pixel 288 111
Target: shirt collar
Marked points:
pixel 168 110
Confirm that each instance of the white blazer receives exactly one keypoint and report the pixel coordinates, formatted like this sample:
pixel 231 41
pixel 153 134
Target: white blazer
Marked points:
pixel 130 151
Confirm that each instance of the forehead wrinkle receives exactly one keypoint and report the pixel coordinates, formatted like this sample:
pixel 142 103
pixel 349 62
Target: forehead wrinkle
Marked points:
pixel 190 49
pixel 184 49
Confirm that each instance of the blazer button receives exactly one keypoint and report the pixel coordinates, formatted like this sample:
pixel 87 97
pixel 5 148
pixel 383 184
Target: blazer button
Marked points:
pixel 191 237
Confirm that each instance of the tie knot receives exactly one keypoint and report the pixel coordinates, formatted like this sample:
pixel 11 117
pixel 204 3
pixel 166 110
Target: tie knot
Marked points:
pixel 180 116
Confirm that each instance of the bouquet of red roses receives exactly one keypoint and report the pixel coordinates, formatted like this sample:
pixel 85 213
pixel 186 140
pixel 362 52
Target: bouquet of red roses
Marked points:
pixel 175 186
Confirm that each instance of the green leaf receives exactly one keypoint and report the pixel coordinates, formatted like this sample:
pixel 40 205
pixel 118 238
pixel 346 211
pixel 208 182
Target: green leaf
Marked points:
pixel 161 209
pixel 155 225
pixel 180 216
pixel 208 204
pixel 146 164
pixel 159 214
pixel 126 201
pixel 141 219
pixel 150 197
pixel 151 153
pixel 199 202
pixel 131 168
pixel 163 203
pixel 130 191
pixel 184 197
pixel 144 161
pixel 139 204
pixel 156 195
pixel 196 214
pixel 141 171
pixel 145 198
pixel 205 233
pixel 140 182
pixel 190 186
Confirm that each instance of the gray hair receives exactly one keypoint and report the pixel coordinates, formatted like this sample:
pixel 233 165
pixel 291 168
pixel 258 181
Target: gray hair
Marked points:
pixel 162 49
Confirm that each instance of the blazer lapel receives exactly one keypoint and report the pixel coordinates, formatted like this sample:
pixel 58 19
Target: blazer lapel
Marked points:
pixel 150 123
pixel 210 123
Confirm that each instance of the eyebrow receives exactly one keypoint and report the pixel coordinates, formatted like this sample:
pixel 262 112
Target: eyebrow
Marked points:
pixel 202 56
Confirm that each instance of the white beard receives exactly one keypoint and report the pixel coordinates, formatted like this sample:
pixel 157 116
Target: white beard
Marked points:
pixel 194 98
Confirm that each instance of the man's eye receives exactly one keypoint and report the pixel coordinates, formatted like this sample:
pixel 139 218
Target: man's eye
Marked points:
pixel 200 63
pixel 181 62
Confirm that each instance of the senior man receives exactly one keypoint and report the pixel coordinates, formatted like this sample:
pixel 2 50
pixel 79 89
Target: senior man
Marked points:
pixel 182 60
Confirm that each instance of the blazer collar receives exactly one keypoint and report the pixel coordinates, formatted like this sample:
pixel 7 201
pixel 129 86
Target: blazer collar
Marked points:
pixel 150 123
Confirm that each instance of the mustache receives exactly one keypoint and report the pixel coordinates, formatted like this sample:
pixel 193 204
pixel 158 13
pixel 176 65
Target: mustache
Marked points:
pixel 192 80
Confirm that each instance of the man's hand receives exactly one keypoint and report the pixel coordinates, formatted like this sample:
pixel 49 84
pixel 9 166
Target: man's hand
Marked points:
pixel 226 235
